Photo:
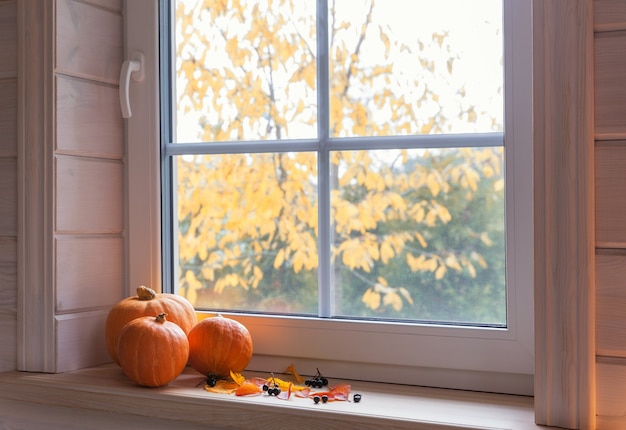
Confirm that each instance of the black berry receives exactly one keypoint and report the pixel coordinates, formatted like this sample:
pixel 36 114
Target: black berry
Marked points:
pixel 211 380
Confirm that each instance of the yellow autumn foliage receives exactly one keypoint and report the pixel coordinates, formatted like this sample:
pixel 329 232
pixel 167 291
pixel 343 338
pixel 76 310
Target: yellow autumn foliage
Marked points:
pixel 241 215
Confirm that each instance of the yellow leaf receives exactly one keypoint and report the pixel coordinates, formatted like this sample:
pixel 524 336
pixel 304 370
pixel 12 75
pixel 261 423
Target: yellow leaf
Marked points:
pixel 453 263
pixel 416 264
pixel 385 39
pixel 237 378
pixel 394 300
pixel 484 237
pixel 405 293
pixel 371 299
pixel 471 269
pixel 433 184
pixel 280 257
pixel 426 128
pixel 310 76
pixel 421 240
pixel 479 259
pixel 441 271
pixel 386 252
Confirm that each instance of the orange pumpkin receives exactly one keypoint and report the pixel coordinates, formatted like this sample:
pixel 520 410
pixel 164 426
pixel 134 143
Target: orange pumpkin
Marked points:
pixel 147 303
pixel 152 351
pixel 218 346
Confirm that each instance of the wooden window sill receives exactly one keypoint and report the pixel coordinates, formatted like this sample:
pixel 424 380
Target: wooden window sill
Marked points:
pixel 104 395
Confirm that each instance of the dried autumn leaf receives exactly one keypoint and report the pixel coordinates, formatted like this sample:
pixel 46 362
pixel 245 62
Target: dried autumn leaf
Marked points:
pixel 222 386
pixel 248 388
pixel 292 371
pixel 304 393
pixel 237 378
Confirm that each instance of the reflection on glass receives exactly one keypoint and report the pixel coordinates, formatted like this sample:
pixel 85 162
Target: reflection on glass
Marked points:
pixel 247 231
pixel 419 234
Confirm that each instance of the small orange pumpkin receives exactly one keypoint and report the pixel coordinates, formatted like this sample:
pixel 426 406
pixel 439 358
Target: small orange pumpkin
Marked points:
pixel 152 351
pixel 147 303
pixel 218 346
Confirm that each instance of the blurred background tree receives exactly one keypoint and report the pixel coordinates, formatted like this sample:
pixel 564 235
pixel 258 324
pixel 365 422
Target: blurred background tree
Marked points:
pixel 417 233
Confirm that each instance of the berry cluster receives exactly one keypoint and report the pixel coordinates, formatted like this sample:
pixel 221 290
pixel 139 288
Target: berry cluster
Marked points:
pixel 318 381
pixel 272 387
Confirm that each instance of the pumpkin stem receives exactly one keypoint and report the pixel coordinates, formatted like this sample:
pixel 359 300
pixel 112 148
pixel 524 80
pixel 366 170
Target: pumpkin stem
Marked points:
pixel 160 318
pixel 145 293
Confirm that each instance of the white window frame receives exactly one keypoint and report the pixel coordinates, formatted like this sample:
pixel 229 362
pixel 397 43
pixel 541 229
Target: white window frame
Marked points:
pixel 498 360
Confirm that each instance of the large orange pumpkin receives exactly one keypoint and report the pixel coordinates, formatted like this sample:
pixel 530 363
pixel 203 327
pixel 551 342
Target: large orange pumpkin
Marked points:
pixel 152 351
pixel 219 345
pixel 147 303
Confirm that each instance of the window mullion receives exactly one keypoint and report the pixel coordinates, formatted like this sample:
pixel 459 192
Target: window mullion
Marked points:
pixel 325 293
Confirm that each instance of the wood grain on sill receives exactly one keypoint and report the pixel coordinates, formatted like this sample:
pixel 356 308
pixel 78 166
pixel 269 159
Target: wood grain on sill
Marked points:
pixel 106 389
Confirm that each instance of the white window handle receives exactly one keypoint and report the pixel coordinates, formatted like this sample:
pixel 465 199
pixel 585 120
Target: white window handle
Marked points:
pixel 134 67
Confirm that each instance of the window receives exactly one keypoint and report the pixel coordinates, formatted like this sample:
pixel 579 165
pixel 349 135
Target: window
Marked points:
pixel 319 144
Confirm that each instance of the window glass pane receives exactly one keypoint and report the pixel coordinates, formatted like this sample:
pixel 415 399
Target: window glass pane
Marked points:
pixel 419 234
pixel 247 231
pixel 415 67
pixel 410 233
pixel 245 70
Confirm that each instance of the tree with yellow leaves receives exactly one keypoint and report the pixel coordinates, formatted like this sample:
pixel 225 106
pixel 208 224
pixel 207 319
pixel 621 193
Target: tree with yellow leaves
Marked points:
pixel 417 233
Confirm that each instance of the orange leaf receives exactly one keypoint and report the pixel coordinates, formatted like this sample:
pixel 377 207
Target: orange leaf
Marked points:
pixel 303 393
pixel 248 388
pixel 292 370
pixel 222 387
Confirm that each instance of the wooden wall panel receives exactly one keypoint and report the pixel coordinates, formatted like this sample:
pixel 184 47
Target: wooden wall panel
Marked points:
pixel 611 304
pixel 8 306
pixel 610 84
pixel 8 185
pixel 89 195
pixel 8 39
pixel 115 5
pixel 610 186
pixel 609 14
pixel 89 254
pixel 89 41
pixel 8 329
pixel 87 330
pixel 8 117
pixel 89 272
pixel 89 121
pixel 8 191
pixel 611 394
